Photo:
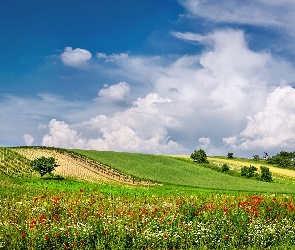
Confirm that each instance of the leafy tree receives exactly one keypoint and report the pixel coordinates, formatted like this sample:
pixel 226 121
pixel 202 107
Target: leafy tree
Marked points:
pixel 44 165
pixel 199 156
pixel 283 159
pixel 256 157
pixel 230 155
pixel 248 172
pixel 265 174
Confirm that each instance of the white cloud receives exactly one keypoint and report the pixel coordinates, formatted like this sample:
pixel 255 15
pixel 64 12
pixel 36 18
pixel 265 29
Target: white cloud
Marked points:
pixel 112 57
pixel 29 140
pixel 272 127
pixel 256 12
pixel 61 135
pixel 141 128
pixel 117 93
pixel 75 58
pixel 188 36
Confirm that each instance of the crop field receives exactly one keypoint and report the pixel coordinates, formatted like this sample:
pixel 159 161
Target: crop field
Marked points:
pixel 209 210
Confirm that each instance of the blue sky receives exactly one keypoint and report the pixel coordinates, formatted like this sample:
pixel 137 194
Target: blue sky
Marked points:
pixel 149 76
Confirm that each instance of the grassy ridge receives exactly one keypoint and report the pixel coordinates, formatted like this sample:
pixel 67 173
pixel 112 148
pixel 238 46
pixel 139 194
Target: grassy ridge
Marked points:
pixel 174 171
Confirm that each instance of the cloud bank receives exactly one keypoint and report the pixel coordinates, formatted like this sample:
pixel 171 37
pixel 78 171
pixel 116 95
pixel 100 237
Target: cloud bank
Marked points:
pixel 226 98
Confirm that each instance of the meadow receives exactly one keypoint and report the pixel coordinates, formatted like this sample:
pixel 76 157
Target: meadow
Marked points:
pixel 193 208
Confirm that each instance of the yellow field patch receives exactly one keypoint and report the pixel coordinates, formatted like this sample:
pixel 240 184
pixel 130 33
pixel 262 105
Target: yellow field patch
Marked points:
pixel 275 170
pixel 67 167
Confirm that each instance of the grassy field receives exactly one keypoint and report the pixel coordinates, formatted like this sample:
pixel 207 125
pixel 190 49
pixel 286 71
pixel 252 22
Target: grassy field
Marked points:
pixel 170 170
pixel 196 208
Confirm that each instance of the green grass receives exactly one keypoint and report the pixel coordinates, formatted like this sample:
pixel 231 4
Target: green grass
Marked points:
pixel 173 171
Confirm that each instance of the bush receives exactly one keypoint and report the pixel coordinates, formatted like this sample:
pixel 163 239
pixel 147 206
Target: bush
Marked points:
pixel 44 165
pixel 230 155
pixel 199 156
pixel 224 168
pixel 265 174
pixel 249 172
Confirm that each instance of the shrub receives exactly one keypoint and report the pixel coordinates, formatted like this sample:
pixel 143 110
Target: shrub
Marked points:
pixel 265 174
pixel 199 156
pixel 249 172
pixel 224 168
pixel 44 165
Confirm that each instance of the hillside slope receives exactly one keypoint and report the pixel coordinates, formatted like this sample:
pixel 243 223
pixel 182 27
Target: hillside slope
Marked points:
pixel 174 171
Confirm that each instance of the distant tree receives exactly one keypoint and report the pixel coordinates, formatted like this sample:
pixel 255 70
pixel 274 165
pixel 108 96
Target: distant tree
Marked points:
pixel 283 159
pixel 199 156
pixel 256 157
pixel 230 155
pixel 44 165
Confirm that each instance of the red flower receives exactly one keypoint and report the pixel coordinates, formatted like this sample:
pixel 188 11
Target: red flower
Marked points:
pixel 81 190
pixel 33 222
pixel 166 236
pixel 35 198
pixel 46 237
pixel 42 196
pixel 178 203
pixel 57 219
pixel 66 233
pixel 225 236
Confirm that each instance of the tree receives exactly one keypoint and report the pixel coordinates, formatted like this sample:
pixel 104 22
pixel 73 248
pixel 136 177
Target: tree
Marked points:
pixel 230 155
pixel 265 174
pixel 256 157
pixel 44 165
pixel 248 172
pixel 199 156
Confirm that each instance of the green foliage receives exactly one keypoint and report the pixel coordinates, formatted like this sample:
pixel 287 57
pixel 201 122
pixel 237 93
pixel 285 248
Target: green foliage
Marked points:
pixel 256 157
pixel 249 172
pixel 283 159
pixel 224 168
pixel 265 174
pixel 199 156
pixel 44 165
pixel 230 155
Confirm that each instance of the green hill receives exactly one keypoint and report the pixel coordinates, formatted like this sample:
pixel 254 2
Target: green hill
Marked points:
pixel 169 170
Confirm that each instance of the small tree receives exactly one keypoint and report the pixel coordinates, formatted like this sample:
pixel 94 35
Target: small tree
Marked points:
pixel 265 174
pixel 230 155
pixel 256 157
pixel 248 172
pixel 199 156
pixel 44 165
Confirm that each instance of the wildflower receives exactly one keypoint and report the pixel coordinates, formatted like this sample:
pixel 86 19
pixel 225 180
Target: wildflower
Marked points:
pixel 35 198
pixel 42 196
pixel 166 236
pixel 76 234
pixel 225 236
pixel 46 237
pixel 57 234
pixel 66 233
pixel 81 190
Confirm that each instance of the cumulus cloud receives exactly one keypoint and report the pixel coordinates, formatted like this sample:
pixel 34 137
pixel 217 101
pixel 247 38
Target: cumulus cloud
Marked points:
pixel 191 100
pixel 75 58
pixel 272 127
pixel 141 128
pixel 29 140
pixel 117 93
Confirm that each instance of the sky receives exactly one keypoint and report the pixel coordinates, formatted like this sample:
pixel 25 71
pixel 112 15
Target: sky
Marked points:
pixel 149 76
